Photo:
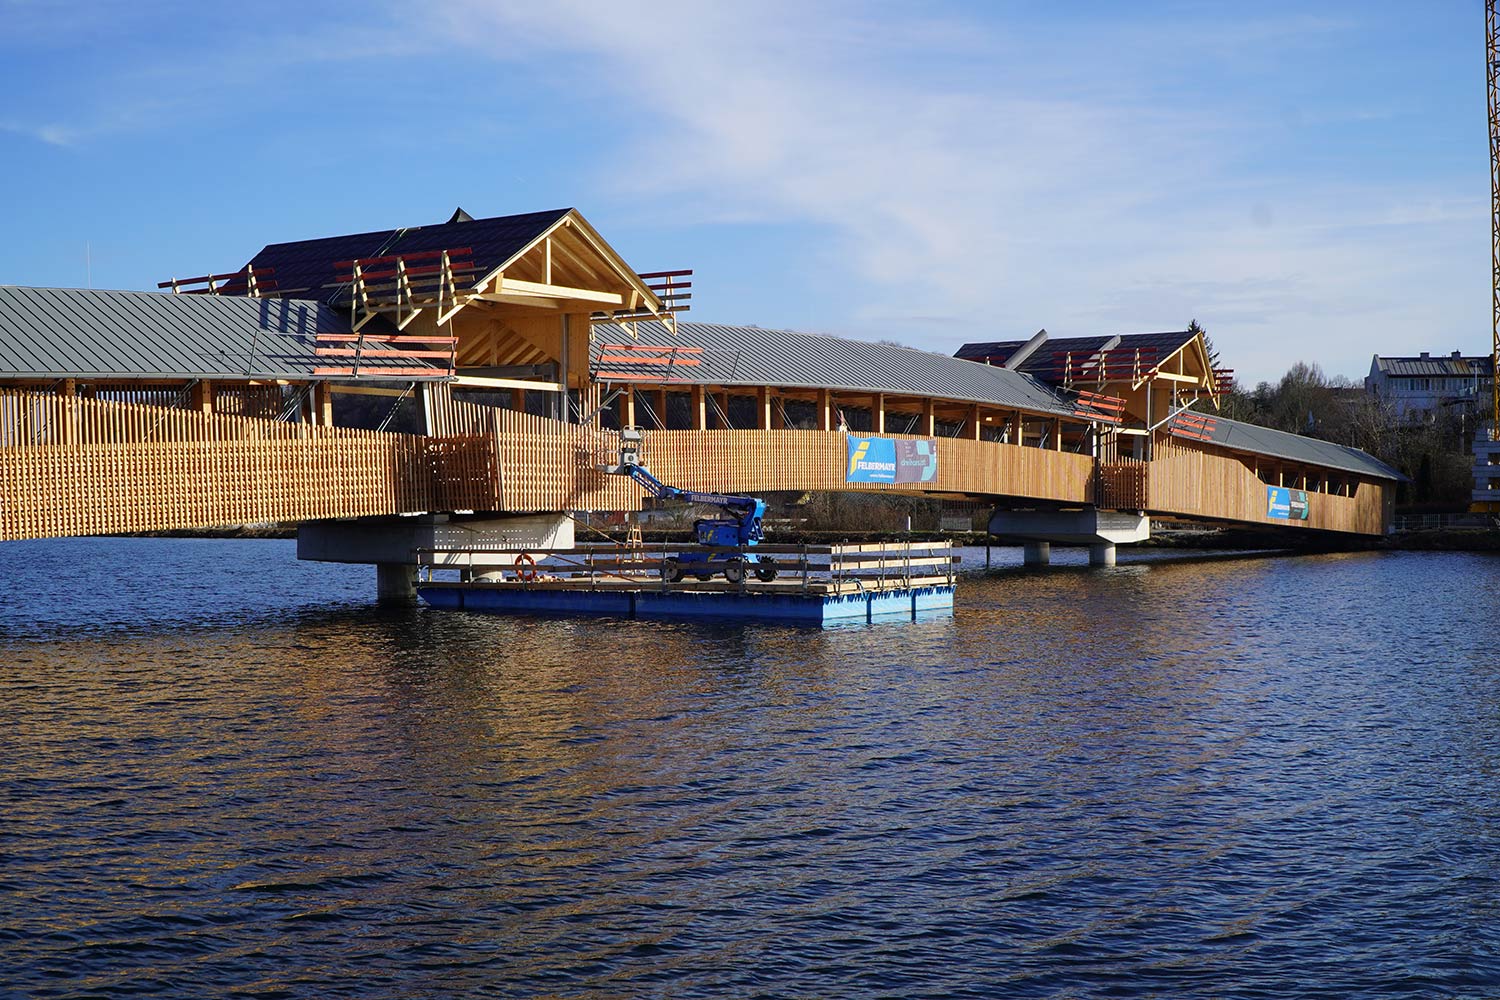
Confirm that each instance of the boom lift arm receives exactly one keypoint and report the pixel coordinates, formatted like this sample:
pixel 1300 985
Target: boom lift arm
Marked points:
pixel 745 512
pixel 725 537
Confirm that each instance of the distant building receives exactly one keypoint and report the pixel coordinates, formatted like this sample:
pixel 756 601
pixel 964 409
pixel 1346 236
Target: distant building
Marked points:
pixel 1421 387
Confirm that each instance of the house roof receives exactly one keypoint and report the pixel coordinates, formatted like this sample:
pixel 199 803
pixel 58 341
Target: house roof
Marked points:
pixel 92 334
pixel 304 268
pixel 1044 361
pixel 753 356
pixel 1240 436
pixel 1406 367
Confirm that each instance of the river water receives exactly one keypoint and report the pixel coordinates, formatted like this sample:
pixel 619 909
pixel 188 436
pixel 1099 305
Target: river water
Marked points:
pixel 225 774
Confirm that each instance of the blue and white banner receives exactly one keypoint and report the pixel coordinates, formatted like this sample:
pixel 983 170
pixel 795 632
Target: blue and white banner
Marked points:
pixel 1286 504
pixel 885 460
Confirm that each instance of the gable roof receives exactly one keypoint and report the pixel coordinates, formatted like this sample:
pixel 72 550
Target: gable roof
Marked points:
pixel 1443 365
pixel 304 268
pixel 51 333
pixel 753 356
pixel 1044 361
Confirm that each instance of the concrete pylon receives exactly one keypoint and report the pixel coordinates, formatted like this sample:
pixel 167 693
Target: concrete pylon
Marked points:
pixel 395 584
pixel 1100 530
pixel 1037 553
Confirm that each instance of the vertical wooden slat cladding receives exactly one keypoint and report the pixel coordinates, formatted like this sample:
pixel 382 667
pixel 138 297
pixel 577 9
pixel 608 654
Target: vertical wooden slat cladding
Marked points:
pixel 550 465
pixel 71 466
pixel 79 466
pixel 1192 480
pixel 1124 484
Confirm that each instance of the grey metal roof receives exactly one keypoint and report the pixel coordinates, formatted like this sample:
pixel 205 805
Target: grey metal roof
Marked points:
pixel 1240 436
pixel 90 333
pixel 753 356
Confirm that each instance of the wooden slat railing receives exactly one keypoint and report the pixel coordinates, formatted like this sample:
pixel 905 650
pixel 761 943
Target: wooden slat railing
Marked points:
pixel 71 466
pixel 550 465
pixel 1194 480
pixel 1124 484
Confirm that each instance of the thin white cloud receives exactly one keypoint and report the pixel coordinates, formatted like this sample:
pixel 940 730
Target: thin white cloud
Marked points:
pixel 948 177
pixel 964 177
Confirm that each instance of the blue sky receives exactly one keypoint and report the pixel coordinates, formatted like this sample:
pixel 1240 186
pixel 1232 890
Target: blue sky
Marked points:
pixel 1309 181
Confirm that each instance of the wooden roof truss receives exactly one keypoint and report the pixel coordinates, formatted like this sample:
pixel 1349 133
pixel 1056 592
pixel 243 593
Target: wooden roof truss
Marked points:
pixel 403 286
pixel 1120 364
pixel 252 281
pixel 569 268
pixel 1139 365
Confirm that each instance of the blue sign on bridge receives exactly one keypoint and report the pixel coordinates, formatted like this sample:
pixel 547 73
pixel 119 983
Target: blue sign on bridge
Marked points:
pixel 1285 504
pixel 887 460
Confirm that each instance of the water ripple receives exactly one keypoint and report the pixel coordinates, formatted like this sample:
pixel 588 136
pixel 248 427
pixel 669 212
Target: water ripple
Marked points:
pixel 1213 779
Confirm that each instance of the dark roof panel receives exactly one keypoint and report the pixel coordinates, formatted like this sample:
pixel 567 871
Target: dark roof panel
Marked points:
pixel 89 333
pixel 304 268
pixel 1044 361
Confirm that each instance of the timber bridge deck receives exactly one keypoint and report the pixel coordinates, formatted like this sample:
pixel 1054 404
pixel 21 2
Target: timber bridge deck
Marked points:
pixel 487 366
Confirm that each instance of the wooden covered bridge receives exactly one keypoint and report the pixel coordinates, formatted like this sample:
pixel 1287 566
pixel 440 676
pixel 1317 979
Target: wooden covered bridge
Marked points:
pixel 487 365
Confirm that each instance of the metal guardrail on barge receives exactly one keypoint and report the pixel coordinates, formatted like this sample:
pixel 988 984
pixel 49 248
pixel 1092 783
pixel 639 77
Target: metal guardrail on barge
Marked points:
pixel 812 583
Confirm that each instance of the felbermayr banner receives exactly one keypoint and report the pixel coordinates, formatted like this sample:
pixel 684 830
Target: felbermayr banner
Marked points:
pixel 886 460
pixel 1286 504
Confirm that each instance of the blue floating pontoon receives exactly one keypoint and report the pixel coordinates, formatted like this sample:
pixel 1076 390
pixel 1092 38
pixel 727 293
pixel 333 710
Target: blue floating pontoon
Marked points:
pixel 790 606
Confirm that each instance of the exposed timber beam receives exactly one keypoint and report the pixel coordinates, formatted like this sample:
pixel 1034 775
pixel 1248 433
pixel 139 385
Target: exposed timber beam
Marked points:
pixel 492 299
pixel 515 286
pixel 481 382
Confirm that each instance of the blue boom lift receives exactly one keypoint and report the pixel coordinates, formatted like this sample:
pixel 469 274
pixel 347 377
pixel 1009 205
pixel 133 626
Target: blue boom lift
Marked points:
pixel 724 539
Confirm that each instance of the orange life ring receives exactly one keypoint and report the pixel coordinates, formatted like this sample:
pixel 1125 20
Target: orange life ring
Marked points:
pixel 525 567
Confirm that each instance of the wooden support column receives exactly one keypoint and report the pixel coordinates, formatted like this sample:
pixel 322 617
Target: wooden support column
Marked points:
pixel 323 405
pixel 627 407
pixel 518 400
pixel 928 426
pixel 1057 434
pixel 70 424
pixel 699 408
pixel 763 408
pixel 203 397
pixel 877 413
pixel 825 410
pixel 974 422
pixel 723 398
pixel 659 405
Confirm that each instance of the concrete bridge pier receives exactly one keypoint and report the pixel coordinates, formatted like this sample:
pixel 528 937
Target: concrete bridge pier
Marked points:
pixel 395 584
pixel 1100 530
pixel 475 545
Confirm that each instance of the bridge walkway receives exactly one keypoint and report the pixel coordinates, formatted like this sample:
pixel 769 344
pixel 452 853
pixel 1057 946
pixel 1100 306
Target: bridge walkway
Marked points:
pixel 487 365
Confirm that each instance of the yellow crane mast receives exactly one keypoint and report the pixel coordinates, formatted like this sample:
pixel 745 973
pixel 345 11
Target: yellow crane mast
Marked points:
pixel 1492 63
pixel 1487 452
